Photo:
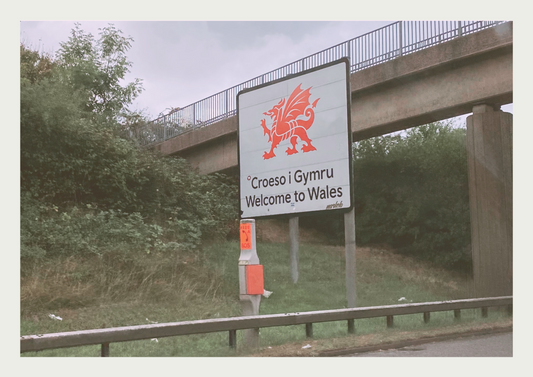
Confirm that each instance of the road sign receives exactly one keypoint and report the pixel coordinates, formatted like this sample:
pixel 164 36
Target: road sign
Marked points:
pixel 295 144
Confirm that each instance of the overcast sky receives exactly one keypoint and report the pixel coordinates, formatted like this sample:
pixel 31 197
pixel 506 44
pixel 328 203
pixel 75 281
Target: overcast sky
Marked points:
pixel 186 61
pixel 181 62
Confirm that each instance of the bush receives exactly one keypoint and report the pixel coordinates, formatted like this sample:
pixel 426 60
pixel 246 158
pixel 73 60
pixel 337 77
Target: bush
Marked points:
pixel 86 188
pixel 412 193
pixel 47 231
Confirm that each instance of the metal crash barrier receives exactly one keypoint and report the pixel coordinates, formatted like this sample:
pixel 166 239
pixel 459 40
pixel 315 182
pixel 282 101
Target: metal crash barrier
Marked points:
pixel 104 337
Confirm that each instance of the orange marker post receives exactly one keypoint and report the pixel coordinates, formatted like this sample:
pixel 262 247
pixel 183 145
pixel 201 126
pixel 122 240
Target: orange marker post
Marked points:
pixel 251 283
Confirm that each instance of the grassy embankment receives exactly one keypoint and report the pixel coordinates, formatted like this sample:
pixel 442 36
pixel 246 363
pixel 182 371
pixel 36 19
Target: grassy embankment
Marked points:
pixel 96 293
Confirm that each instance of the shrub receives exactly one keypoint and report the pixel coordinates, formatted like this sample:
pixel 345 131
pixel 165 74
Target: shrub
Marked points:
pixel 46 231
pixel 412 193
pixel 85 187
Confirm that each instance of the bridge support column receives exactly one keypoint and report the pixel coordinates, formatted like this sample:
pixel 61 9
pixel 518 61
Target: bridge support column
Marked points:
pixel 490 179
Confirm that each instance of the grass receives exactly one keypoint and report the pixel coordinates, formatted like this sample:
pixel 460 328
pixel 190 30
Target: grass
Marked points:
pixel 94 293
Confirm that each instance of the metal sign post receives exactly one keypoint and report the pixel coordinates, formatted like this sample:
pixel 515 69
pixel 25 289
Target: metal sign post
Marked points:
pixel 251 282
pixel 294 246
pixel 349 250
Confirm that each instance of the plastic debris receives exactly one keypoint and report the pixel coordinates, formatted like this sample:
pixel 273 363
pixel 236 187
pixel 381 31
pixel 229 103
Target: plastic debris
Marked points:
pixel 306 346
pixel 155 339
pixel 150 321
pixel 402 299
pixel 57 318
pixel 266 294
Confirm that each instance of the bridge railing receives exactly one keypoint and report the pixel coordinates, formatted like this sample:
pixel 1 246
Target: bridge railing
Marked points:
pixel 103 337
pixel 376 47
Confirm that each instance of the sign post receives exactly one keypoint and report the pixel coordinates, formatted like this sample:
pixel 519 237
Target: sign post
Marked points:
pixel 349 252
pixel 294 246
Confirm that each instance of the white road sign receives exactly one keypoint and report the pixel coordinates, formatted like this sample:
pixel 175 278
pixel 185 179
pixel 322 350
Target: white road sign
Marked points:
pixel 295 144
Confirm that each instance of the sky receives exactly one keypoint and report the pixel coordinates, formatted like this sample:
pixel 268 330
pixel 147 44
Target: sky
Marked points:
pixel 185 61
pixel 181 62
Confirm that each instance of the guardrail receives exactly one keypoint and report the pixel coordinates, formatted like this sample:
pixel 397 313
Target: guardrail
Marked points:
pixel 29 343
pixel 381 45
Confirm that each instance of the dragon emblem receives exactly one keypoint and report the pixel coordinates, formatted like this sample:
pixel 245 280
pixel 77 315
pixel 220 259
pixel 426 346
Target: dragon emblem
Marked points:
pixel 291 121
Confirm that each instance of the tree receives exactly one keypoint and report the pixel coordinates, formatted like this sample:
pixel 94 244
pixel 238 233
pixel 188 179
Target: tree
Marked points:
pixel 98 66
pixel 34 66
pixel 83 184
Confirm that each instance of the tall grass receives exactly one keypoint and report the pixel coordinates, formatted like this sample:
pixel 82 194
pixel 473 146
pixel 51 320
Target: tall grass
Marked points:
pixel 97 293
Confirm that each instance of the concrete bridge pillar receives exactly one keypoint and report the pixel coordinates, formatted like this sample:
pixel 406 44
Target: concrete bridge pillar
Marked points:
pixel 490 179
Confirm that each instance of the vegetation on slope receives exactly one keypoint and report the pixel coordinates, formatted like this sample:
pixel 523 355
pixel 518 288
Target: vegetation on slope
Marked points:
pixel 85 187
pixel 411 193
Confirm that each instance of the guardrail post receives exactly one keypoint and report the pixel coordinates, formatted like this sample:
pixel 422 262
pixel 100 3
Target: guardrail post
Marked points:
pixel 426 317
pixel 308 330
pixel 233 339
pixel 457 314
pixel 459 29
pixel 484 312
pixel 390 321
pixel 351 326
pixel 104 352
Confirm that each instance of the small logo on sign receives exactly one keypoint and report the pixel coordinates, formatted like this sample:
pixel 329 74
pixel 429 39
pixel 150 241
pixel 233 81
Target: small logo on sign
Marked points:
pixel 334 205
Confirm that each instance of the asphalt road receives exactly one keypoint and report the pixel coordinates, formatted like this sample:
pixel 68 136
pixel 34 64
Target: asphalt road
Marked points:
pixel 498 345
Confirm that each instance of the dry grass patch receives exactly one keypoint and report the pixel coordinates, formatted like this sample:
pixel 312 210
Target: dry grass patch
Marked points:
pixel 77 282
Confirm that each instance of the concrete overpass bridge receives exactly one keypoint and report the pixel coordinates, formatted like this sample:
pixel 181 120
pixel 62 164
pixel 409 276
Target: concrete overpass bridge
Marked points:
pixel 403 75
pixel 390 92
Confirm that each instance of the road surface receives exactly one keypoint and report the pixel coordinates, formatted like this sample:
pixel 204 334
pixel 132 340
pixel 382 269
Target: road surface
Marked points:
pixel 498 345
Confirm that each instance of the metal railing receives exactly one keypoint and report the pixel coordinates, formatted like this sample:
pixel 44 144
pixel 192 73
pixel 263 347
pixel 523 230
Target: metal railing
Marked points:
pixel 32 343
pixel 376 47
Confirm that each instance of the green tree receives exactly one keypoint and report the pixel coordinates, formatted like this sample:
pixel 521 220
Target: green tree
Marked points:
pixel 34 66
pixel 83 183
pixel 98 66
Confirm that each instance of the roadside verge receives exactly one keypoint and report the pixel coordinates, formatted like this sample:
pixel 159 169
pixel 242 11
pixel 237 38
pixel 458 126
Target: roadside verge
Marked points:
pixel 386 339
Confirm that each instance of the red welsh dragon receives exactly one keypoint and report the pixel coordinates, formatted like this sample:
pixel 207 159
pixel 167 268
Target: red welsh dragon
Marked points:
pixel 287 124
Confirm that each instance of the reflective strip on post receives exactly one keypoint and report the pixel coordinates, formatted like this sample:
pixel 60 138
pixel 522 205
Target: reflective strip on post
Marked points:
pixel 254 279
